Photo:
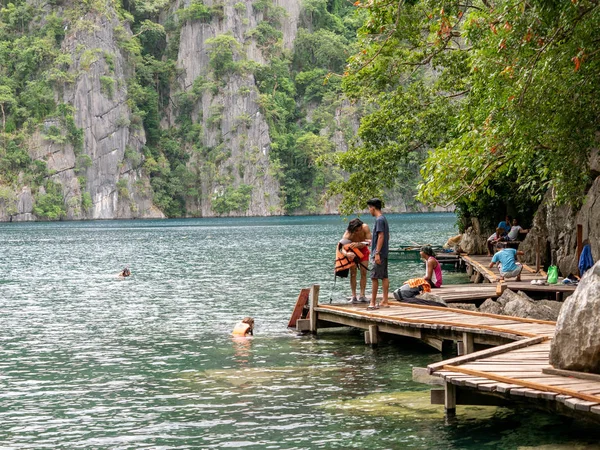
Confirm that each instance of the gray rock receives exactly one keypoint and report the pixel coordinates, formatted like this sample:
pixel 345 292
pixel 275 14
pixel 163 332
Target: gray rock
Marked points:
pixel 465 306
pixel 554 230
pixel 529 309
pixel 576 343
pixel 554 306
pixel 508 296
pixel 432 297
pixel 472 242
pixel 491 307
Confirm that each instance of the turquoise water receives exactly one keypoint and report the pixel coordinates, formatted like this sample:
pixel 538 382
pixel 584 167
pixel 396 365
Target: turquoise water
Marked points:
pixel 88 360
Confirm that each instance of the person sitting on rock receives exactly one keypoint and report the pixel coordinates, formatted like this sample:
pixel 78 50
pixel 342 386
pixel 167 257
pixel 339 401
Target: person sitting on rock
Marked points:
pixel 507 262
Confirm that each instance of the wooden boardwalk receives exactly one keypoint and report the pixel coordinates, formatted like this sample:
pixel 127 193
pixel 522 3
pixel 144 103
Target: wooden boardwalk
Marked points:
pixel 481 274
pixel 515 369
pixel 518 373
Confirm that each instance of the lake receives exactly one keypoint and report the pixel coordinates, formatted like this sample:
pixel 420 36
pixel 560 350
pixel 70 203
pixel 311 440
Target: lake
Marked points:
pixel 88 360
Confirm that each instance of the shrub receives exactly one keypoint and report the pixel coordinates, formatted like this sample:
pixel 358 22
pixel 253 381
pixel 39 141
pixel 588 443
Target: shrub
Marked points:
pixel 232 199
pixel 51 205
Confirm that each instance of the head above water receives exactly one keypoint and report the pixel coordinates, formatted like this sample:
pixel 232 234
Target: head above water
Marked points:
pixel 249 321
pixel 427 251
pixel 354 225
pixel 375 205
pixel 126 272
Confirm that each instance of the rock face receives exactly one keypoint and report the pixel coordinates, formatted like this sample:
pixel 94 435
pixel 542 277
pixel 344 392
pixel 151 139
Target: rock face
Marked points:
pixel 555 230
pixel 576 344
pixel 472 242
pixel 231 120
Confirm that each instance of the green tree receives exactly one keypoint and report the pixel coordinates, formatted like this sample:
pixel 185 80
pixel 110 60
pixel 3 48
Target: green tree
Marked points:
pixel 486 93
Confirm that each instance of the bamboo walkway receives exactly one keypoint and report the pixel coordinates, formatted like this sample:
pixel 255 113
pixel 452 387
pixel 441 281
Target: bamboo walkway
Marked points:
pixel 515 369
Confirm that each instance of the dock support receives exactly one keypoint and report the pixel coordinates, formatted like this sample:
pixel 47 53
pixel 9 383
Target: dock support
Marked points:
pixel 372 335
pixel 450 399
pixel 313 301
pixel 579 242
pixel 468 343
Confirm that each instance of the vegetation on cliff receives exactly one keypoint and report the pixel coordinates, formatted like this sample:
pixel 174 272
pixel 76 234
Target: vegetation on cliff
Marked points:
pixel 301 104
pixel 496 98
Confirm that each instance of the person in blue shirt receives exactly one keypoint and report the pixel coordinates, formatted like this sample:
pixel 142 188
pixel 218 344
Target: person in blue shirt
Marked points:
pixel 380 245
pixel 507 262
pixel 506 224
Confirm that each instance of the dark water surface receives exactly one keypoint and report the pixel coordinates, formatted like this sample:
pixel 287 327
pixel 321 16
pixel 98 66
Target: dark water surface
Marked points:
pixel 91 361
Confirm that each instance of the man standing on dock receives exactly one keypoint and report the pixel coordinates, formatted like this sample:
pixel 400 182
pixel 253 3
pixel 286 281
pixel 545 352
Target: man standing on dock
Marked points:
pixel 379 253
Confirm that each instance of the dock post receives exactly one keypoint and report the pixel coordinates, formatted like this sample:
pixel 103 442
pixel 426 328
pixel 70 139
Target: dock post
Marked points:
pixel 468 343
pixel 579 242
pixel 372 335
pixel 313 301
pixel 450 399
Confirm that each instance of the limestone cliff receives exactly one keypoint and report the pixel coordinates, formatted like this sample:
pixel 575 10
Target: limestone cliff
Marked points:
pixel 175 108
pixel 555 231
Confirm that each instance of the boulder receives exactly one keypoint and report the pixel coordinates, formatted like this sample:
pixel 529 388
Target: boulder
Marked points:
pixel 519 304
pixel 576 343
pixel 432 297
pixel 491 307
pixel 528 309
pixel 472 242
pixel 553 306
pixel 465 306
pixel 508 296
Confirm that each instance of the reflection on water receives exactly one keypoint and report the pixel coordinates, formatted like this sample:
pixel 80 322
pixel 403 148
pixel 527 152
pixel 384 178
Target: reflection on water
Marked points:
pixel 88 360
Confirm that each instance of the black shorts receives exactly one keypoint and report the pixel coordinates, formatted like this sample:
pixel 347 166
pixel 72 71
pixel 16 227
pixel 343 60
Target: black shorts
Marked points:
pixel 379 271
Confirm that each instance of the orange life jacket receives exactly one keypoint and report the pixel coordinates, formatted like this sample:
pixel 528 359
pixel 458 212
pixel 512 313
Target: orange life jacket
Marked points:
pixel 416 282
pixel 343 263
pixel 241 329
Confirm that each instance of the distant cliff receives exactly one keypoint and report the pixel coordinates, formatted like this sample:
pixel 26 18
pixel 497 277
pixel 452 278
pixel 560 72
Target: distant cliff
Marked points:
pixel 158 108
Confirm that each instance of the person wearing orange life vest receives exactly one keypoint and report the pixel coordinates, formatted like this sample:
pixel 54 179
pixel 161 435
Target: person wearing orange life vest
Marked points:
pixel 244 328
pixel 356 241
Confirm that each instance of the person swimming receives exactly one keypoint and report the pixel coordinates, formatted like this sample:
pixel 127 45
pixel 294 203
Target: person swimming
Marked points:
pixel 125 273
pixel 244 328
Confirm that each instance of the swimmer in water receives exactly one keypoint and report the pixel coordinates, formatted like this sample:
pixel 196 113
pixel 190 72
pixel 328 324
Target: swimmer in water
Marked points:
pixel 244 328
pixel 125 273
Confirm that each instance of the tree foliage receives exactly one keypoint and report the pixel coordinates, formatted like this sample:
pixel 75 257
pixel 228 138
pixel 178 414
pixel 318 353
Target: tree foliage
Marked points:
pixel 486 93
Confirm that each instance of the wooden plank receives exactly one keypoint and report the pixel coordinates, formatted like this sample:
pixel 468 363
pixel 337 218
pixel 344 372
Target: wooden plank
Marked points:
pixel 510 380
pixel 424 322
pixel 450 398
pixel 298 311
pixel 485 353
pixel 313 299
pixel 474 313
pixel 303 325
pixel 572 373
pixel 486 272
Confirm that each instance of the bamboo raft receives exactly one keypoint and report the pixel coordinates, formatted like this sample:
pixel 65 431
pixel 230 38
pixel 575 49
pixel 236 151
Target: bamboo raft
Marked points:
pixel 515 369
